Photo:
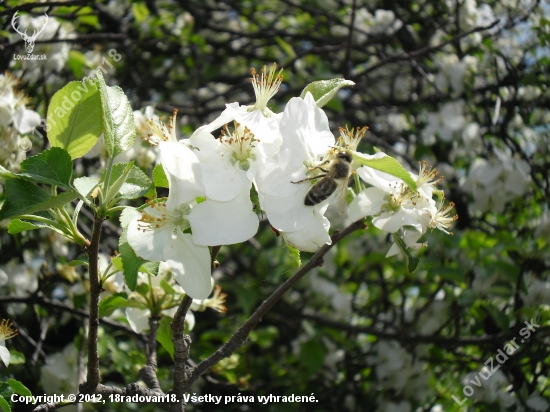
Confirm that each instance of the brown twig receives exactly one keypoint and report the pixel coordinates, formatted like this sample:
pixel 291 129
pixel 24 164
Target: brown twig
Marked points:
pixel 182 343
pixel 44 326
pixel 149 372
pixel 92 377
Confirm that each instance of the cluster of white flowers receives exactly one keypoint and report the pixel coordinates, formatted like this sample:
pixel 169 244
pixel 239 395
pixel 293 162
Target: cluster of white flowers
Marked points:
pixel 290 165
pixel 383 22
pixel 15 122
pixel 492 390
pixel 445 123
pixel 399 370
pixel 496 181
pixel 397 207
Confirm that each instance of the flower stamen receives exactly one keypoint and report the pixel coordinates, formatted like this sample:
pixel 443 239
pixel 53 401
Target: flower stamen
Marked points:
pixel 162 132
pixel 350 138
pixel 6 330
pixel 441 220
pixel 427 175
pixel 266 85
pixel 241 142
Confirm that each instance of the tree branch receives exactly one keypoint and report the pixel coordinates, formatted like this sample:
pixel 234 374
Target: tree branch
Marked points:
pixel 182 343
pixel 149 372
pixel 92 378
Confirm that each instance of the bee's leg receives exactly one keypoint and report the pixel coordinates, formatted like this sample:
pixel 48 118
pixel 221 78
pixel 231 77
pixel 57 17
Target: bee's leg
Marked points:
pixel 307 179
pixel 319 166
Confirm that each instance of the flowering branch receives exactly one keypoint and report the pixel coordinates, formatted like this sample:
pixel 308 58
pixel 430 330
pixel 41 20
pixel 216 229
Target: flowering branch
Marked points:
pixel 238 339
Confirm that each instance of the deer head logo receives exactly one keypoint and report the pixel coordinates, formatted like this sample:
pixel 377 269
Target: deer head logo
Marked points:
pixel 29 40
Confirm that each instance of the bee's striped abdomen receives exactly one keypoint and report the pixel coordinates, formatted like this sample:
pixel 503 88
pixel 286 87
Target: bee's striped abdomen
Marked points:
pixel 320 191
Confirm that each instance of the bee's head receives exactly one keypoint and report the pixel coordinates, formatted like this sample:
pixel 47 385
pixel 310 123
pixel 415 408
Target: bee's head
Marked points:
pixel 345 156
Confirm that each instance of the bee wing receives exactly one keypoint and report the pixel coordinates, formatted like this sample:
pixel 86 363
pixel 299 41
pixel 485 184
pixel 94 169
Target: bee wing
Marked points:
pixel 341 194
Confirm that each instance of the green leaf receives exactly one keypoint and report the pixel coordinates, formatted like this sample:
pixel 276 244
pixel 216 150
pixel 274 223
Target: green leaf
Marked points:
pixel 4 404
pixel 140 12
pixel 164 335
pixel 324 90
pixel 74 118
pixel 54 201
pixel 130 262
pixel 76 62
pixel 412 262
pixel 19 388
pixel 386 164
pixel 294 254
pixel 117 263
pixel 108 305
pixel 312 355
pixel 85 185
pixel 150 267
pixel 119 130
pixel 81 261
pixel 168 289
pixel 5 174
pixel 159 176
pixel 127 214
pixel 286 47
pixel 136 185
pixel 53 167
pixel 500 317
pixel 23 197
pixel 17 226
pixel 16 358
pixel 118 175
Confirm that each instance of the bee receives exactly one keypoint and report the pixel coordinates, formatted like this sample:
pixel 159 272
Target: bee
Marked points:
pixel 334 179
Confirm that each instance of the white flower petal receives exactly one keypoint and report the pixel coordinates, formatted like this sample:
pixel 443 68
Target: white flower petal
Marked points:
pixel 190 264
pixel 138 319
pixel 190 319
pixel 377 178
pixel 149 243
pixel 318 127
pixel 367 203
pixel 4 354
pixel 224 223
pixel 227 116
pixel 289 214
pixel 183 172
pixel 221 180
pixel 392 222
pixel 311 237
pixel 25 120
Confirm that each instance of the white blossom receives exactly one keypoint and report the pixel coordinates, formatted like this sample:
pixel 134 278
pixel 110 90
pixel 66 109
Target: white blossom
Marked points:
pixel 306 140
